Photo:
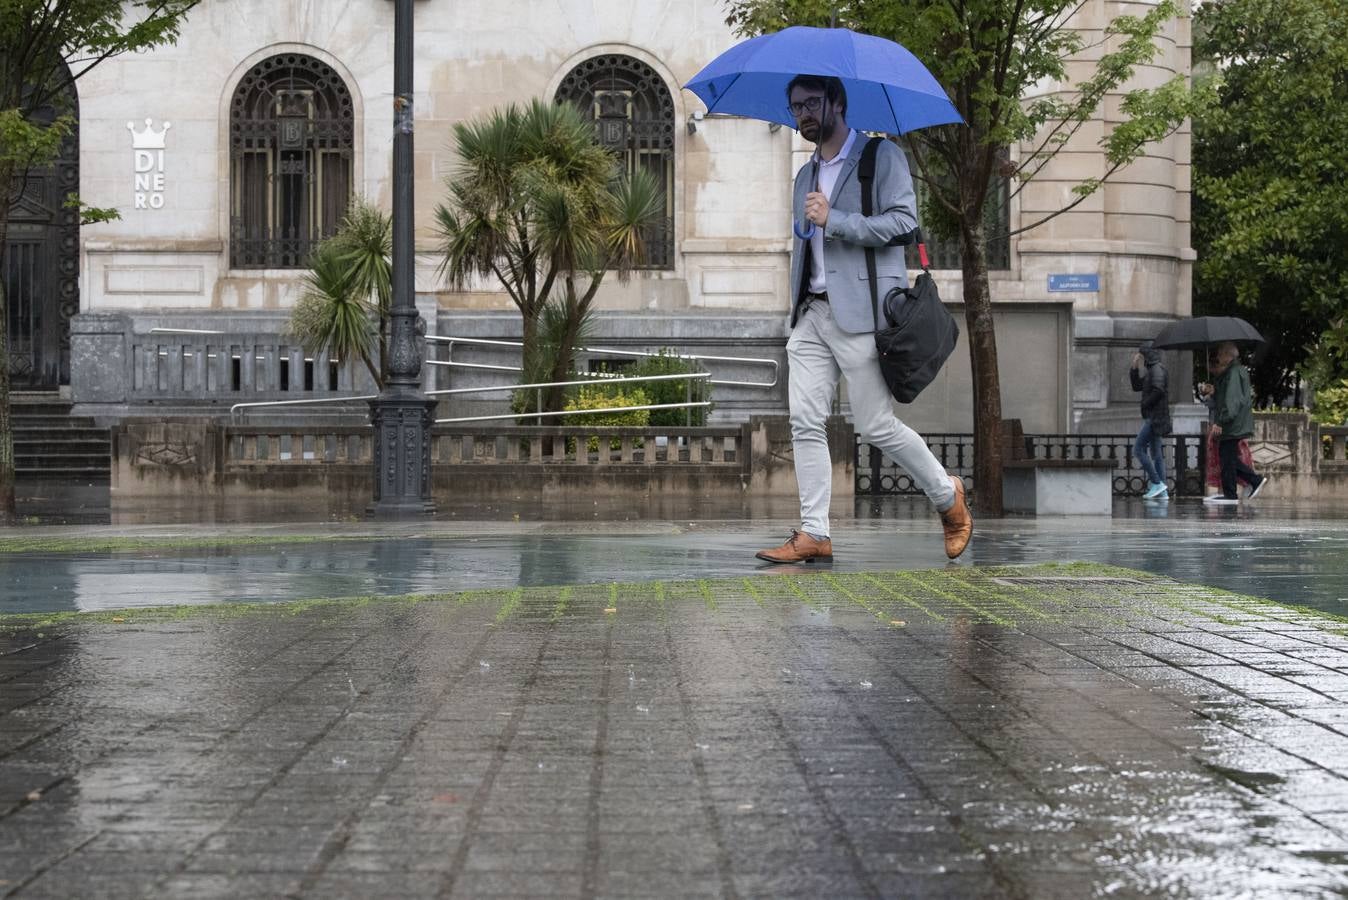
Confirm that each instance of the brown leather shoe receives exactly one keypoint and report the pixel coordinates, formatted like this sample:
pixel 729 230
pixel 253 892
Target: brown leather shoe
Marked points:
pixel 800 547
pixel 957 521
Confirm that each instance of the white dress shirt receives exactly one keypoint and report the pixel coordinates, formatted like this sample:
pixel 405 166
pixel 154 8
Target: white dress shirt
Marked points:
pixel 828 179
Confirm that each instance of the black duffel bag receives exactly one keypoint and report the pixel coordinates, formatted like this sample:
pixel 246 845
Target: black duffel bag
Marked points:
pixel 922 333
pixel 920 338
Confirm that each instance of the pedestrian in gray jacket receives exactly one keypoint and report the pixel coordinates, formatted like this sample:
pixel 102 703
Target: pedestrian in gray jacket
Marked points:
pixel 832 323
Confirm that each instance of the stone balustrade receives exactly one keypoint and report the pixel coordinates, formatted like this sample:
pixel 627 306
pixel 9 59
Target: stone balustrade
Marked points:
pixel 158 461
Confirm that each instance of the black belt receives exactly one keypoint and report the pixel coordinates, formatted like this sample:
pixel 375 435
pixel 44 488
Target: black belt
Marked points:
pixel 811 296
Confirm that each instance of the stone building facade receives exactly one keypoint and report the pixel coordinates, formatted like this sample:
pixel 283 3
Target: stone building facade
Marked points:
pixel 232 152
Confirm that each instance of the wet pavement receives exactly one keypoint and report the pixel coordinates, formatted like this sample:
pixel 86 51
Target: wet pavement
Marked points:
pixel 599 708
pixel 1297 554
pixel 964 732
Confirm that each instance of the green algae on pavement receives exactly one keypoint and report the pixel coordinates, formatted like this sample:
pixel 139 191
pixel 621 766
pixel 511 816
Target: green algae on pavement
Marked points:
pixel 1006 596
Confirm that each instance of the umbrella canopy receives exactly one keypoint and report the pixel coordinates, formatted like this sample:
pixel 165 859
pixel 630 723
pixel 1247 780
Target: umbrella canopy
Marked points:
pixel 1197 333
pixel 888 90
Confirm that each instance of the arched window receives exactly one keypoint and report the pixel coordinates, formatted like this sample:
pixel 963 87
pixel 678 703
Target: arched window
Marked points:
pixel 633 114
pixel 291 133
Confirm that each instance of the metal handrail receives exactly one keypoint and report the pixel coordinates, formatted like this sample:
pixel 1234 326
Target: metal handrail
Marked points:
pixel 487 342
pixel 689 404
pixel 451 339
pixel 238 406
pixel 574 412
pixel 681 376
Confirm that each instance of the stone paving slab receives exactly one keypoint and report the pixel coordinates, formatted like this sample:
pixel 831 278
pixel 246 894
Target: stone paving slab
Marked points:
pixel 1056 731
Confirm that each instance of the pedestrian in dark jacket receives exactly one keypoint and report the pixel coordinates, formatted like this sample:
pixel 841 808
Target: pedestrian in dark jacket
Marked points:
pixel 1233 419
pixel 1149 376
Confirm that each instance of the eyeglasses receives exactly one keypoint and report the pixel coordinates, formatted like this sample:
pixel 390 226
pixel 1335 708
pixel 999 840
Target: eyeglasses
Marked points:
pixel 809 104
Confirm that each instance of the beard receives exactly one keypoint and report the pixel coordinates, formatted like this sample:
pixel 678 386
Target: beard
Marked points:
pixel 820 132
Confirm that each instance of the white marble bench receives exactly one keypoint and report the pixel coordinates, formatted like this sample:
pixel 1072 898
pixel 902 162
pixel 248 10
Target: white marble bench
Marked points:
pixel 1059 487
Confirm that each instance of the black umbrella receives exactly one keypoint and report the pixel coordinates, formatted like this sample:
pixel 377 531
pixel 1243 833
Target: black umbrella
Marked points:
pixel 1197 333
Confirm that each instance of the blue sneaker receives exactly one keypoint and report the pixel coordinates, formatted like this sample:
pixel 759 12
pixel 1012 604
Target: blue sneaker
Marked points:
pixel 1155 491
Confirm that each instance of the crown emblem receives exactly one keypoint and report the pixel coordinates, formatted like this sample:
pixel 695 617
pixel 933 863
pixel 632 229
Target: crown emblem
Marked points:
pixel 149 139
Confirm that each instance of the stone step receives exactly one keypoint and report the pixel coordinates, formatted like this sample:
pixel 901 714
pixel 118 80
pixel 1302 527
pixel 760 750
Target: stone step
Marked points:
pixel 38 454
pixel 49 443
pixel 55 448
pixel 71 474
pixel 23 420
pixel 68 433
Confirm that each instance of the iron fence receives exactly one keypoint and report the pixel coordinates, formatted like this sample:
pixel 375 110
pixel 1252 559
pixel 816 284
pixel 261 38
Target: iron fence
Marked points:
pixel 877 476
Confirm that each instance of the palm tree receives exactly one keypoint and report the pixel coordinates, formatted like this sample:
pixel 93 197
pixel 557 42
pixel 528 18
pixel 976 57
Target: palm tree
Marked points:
pixel 537 204
pixel 348 292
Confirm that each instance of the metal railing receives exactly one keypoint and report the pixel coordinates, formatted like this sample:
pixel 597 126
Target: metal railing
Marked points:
pixel 688 377
pixel 451 340
pixel 690 404
pixel 875 475
pixel 238 407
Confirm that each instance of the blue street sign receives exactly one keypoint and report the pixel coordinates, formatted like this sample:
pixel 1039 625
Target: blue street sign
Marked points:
pixel 1076 283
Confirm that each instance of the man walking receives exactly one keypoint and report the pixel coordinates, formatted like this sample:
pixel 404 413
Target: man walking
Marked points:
pixel 1148 375
pixel 1233 419
pixel 832 322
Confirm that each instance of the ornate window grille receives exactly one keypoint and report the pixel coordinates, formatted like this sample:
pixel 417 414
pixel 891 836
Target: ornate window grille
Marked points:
pixel 290 149
pixel 633 114
pixel 945 252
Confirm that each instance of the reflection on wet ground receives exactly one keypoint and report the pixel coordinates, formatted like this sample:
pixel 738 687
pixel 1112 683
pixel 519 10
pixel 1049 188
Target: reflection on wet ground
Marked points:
pixel 964 732
pixel 1266 551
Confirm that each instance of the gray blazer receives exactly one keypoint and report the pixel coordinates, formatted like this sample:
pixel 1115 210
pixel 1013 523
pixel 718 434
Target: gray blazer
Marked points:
pixel 848 233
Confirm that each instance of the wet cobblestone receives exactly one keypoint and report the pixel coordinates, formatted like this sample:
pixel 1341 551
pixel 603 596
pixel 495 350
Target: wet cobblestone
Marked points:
pixel 1012 732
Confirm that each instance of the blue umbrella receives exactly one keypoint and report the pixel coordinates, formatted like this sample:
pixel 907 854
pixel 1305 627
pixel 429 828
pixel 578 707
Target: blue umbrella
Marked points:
pixel 888 89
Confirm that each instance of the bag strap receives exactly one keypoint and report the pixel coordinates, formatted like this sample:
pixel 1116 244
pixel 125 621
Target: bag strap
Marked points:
pixel 865 176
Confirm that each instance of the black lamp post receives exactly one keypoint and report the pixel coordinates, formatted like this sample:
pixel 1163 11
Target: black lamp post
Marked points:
pixel 402 413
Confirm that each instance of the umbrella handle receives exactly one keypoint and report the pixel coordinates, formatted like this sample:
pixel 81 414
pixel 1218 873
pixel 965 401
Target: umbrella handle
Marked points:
pixel 806 231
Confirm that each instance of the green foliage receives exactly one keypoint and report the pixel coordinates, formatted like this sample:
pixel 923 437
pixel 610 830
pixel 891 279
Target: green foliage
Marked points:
pixel 1270 177
pixel 330 317
pixel 364 245
pixel 543 359
pixel 673 391
pixel 1331 404
pixel 604 397
pixel 348 291
pixel 537 205
pixel 90 215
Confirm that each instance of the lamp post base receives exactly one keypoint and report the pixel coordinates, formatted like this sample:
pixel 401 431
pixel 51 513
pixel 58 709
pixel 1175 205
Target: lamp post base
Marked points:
pixel 402 454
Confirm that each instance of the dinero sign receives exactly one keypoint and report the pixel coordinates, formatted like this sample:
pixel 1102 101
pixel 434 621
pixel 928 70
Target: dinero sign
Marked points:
pixel 148 146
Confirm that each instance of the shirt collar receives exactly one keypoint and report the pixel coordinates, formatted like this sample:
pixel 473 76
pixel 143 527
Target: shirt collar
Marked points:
pixel 846 150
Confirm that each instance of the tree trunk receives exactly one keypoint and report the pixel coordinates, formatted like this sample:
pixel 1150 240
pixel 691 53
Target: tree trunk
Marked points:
pixel 529 352
pixel 7 512
pixel 983 362
pixel 555 397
